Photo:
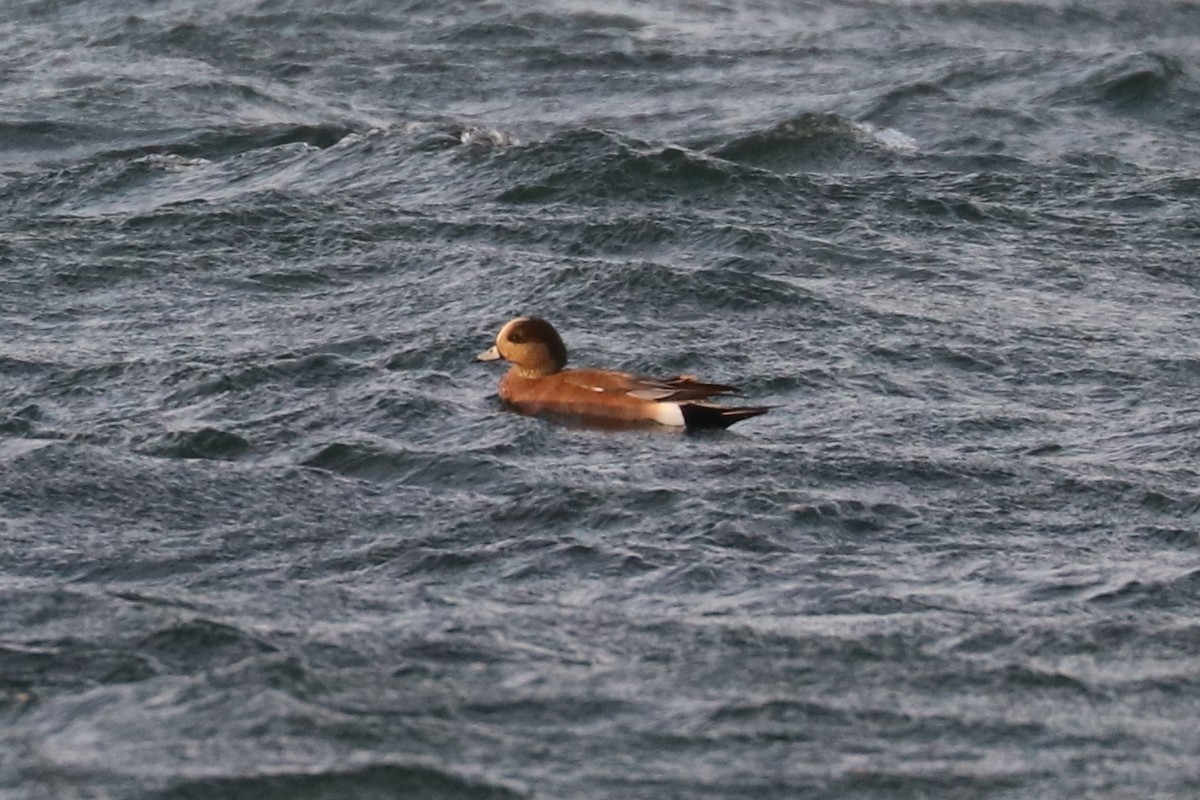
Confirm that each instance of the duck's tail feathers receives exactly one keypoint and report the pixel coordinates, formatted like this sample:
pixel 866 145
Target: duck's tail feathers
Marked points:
pixel 697 416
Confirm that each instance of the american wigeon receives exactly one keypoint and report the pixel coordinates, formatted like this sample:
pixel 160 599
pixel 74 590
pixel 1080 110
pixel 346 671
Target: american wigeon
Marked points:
pixel 539 383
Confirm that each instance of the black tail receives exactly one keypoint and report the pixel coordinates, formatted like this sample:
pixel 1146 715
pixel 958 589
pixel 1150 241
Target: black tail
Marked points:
pixel 707 415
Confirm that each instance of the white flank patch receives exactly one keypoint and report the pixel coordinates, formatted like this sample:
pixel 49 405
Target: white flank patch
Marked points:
pixel 668 414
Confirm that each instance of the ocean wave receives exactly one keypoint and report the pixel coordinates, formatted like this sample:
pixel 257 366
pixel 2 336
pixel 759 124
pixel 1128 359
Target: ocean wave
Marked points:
pixel 428 782
pixel 817 142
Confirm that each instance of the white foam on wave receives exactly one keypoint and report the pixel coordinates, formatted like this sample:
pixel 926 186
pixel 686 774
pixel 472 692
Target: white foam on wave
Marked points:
pixel 486 137
pixel 890 138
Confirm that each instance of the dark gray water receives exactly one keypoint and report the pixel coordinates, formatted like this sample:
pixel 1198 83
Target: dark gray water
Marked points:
pixel 265 531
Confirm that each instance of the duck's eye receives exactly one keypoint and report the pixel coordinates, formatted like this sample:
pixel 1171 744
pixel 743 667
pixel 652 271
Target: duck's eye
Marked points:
pixel 516 337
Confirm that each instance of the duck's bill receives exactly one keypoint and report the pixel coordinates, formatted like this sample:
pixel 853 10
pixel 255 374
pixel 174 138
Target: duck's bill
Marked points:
pixel 491 354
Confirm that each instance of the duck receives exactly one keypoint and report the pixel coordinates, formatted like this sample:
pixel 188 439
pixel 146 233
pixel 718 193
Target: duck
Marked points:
pixel 539 384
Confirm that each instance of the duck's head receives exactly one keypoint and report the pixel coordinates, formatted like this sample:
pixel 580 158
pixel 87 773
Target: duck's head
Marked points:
pixel 531 345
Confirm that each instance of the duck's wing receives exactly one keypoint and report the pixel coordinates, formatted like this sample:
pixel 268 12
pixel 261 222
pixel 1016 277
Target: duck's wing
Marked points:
pixel 677 389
